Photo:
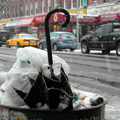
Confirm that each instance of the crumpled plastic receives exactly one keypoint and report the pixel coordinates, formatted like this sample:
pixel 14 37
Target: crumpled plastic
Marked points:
pixel 83 99
pixel 29 62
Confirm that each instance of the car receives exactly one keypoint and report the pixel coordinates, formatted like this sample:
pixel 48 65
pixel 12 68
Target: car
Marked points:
pixel 23 39
pixel 4 35
pixel 60 40
pixel 105 38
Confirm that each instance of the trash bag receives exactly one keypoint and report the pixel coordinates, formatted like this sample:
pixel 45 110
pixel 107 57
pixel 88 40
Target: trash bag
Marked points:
pixel 52 91
pixel 31 65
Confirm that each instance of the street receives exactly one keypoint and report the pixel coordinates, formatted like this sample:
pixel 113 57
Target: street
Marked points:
pixel 88 72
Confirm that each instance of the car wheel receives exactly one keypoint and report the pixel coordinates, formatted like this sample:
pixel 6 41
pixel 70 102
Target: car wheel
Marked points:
pixel 55 47
pixel 0 45
pixel 18 44
pixel 118 50
pixel 71 49
pixel 41 46
pixel 4 37
pixel 105 52
pixel 8 45
pixel 84 47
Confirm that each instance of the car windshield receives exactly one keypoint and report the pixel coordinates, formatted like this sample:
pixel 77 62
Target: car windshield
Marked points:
pixel 64 35
pixel 27 36
pixel 68 35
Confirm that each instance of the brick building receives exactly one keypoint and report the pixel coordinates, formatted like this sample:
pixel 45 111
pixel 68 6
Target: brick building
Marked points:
pixel 18 8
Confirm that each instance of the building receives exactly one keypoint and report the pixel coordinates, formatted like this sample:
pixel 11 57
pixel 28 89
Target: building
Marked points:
pixel 15 9
pixel 18 8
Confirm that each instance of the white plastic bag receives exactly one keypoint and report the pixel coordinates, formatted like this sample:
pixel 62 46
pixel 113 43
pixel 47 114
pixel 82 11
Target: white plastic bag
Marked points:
pixel 29 62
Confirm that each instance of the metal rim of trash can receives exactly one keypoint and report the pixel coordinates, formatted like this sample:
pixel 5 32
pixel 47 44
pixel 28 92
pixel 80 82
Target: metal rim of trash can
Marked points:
pixel 33 109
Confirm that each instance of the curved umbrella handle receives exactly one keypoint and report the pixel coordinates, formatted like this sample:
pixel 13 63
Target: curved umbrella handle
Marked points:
pixel 47 32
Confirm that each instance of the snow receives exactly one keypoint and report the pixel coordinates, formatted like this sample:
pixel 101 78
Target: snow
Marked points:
pixel 109 110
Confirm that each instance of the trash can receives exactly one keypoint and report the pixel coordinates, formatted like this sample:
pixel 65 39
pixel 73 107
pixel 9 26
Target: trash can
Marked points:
pixel 12 113
pixel 93 113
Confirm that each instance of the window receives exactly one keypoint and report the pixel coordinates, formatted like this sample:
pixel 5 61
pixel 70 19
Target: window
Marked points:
pixel 16 36
pixel 36 7
pixel 53 35
pixel 16 11
pixel 20 10
pixel 31 8
pixel 26 9
pixel 106 1
pixel 66 4
pixel 55 3
pixel 68 35
pixel 99 30
pixel 84 2
pixel 49 5
pixel 13 11
pixel 43 6
pixel 74 5
pixel 27 36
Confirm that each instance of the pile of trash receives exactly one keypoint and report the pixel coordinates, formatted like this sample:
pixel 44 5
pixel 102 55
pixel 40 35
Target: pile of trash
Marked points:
pixel 30 84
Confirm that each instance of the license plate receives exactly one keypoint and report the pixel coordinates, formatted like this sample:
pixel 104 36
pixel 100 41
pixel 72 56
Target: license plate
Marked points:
pixel 32 41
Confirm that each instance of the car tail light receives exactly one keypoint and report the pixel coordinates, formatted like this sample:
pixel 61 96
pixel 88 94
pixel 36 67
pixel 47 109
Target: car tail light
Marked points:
pixel 60 38
pixel 25 40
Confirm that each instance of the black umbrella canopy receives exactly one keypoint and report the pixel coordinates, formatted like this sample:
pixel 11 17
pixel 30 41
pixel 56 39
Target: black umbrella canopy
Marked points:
pixel 54 91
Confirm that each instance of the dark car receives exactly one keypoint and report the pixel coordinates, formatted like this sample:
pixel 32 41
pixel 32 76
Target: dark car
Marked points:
pixel 60 40
pixel 4 35
pixel 105 38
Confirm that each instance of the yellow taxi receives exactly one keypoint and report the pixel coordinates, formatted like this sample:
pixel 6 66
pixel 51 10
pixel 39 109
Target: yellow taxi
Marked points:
pixel 23 39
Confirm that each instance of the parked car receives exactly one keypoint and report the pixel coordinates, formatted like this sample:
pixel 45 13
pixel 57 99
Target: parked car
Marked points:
pixel 105 38
pixel 4 35
pixel 23 39
pixel 60 40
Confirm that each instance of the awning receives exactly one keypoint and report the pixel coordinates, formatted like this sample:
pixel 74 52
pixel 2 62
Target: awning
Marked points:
pixel 36 20
pixel 100 18
pixel 89 19
pixel 2 27
pixel 40 18
pixel 56 17
pixel 25 21
pixel 12 23
pixel 4 22
pixel 110 17
pixel 73 17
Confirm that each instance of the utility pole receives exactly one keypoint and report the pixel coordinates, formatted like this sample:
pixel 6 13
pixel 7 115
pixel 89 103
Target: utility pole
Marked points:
pixel 77 26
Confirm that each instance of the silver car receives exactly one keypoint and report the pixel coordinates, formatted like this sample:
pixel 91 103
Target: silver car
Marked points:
pixel 60 40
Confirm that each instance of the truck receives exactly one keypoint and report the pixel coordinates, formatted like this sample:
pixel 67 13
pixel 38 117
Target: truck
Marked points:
pixel 4 35
pixel 105 38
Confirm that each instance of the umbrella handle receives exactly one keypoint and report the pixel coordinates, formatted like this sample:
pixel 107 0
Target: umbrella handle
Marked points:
pixel 47 32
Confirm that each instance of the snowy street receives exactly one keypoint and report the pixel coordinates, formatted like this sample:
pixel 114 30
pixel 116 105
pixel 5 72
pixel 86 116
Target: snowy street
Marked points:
pixel 93 72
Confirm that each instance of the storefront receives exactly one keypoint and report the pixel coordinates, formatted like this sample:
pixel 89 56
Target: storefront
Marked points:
pixel 110 18
pixel 101 14
pixel 3 23
pixel 10 26
pixel 73 17
pixel 88 23
pixel 35 24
